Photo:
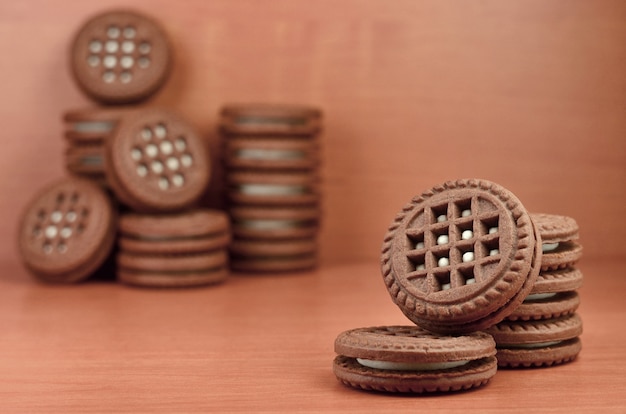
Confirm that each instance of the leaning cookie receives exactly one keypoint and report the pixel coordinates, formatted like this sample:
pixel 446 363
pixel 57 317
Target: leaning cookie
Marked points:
pixel 157 162
pixel 461 257
pixel 559 235
pixel 409 359
pixel 67 231
pixel 537 343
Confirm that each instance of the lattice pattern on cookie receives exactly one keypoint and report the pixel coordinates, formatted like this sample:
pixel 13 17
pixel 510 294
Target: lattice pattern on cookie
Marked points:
pixel 119 53
pixel 54 227
pixel 158 153
pixel 451 244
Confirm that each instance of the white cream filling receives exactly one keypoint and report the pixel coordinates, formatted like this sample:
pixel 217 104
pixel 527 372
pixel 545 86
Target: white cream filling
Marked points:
pixel 536 345
pixel 269 224
pixel 93 126
pixel 268 154
pixel 271 189
pixel 410 366
pixel 539 296
pixel 261 120
pixel 548 247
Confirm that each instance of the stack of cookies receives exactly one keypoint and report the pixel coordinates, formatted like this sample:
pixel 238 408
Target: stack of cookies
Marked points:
pixel 153 162
pixel 461 258
pixel 544 329
pixel 271 158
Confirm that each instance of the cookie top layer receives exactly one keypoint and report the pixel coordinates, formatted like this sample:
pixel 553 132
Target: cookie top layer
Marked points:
pixel 189 224
pixel 412 344
pixel 554 228
pixel 120 56
pixel 536 331
pixel 67 230
pixel 263 119
pixel 156 161
pixel 461 255
pixel 560 280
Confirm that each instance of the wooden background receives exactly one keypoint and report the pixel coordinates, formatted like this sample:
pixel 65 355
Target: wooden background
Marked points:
pixel 529 94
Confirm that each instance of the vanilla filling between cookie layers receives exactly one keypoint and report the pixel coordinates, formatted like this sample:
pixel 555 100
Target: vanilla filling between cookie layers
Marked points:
pixel 268 224
pixel 410 366
pixel 548 247
pixel 532 346
pixel 539 296
pixel 271 189
pixel 269 154
pixel 93 126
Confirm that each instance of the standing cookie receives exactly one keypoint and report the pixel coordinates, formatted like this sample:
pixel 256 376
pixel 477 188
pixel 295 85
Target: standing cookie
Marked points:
pixel 412 360
pixel 120 57
pixel 461 257
pixel 67 231
pixel 156 161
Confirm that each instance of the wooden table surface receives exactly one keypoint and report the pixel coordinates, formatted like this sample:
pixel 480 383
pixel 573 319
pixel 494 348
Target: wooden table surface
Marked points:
pixel 263 344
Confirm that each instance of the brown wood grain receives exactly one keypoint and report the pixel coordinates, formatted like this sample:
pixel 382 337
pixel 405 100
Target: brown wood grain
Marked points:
pixel 263 344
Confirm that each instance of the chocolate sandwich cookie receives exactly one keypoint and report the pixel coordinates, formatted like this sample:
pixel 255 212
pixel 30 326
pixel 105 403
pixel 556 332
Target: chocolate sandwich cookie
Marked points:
pixel 278 189
pixel 461 257
pixel 559 235
pixel 120 56
pixel 412 360
pixel 86 130
pixel 270 119
pixel 173 250
pixel 155 161
pixel 67 231
pixel 271 153
pixel 275 222
pixel 273 256
pixel 537 343
pixel 554 294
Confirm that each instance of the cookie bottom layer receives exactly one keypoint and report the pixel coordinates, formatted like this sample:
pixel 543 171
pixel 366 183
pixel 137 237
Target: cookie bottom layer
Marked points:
pixel 168 280
pixel 563 352
pixel 473 374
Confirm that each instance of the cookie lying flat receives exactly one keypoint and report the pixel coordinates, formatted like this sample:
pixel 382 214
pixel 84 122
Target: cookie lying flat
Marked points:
pixel 175 250
pixel 67 231
pixel 275 222
pixel 273 255
pixel 270 119
pixel 559 235
pixel 461 257
pixel 278 189
pixel 271 153
pixel 120 56
pixel 156 162
pixel 412 360
pixel 554 294
pixel 86 131
pixel 537 343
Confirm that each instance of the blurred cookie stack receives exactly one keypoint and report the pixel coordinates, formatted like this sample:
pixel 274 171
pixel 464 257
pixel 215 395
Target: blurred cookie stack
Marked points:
pixel 544 329
pixel 152 161
pixel 271 156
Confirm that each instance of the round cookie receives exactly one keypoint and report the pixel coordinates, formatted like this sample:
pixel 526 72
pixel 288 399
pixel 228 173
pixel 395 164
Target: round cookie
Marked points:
pixel 155 161
pixel 552 295
pixel 461 256
pixel 264 188
pixel 275 222
pixel 193 231
pixel 409 359
pixel 85 160
pixel 271 153
pixel 120 56
pixel 67 231
pixel 559 235
pixel 260 264
pixel 537 343
pixel 92 125
pixel 270 119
